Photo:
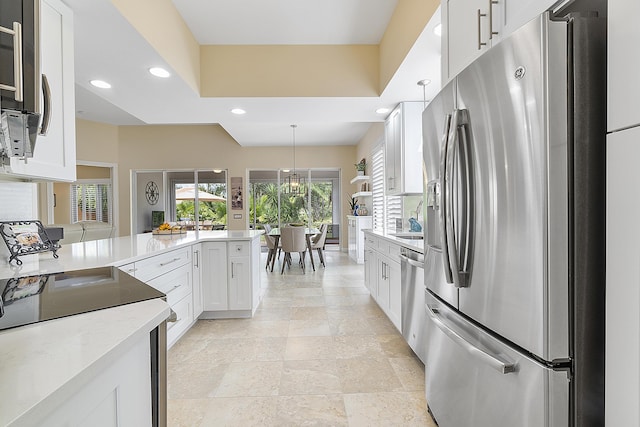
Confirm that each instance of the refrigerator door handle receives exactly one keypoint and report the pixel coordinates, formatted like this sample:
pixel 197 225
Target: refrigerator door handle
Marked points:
pixel 459 251
pixel 488 358
pixel 444 196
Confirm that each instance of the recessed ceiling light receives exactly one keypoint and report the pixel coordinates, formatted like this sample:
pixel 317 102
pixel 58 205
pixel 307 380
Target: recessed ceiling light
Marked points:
pixel 437 30
pixel 286 170
pixel 424 82
pixel 100 83
pixel 217 170
pixel 238 111
pixel 159 72
pixel 382 110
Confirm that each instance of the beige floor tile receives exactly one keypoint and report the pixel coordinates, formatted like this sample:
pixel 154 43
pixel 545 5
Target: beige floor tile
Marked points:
pixel 312 410
pixel 349 326
pixel 270 349
pixel 410 372
pixel 387 409
pixel 309 328
pixel 251 379
pixel 358 346
pixel 241 412
pixel 310 377
pixel 194 380
pixel 186 412
pixel 309 348
pixel 307 313
pixel 355 369
pixel 367 375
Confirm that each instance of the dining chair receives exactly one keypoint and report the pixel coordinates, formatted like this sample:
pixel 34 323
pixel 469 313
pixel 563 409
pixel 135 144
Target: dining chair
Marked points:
pixel 318 242
pixel 271 245
pixel 293 240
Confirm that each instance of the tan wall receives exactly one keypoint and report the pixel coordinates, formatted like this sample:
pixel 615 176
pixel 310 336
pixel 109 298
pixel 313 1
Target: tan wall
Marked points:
pixel 406 24
pixel 159 22
pixel 211 147
pixel 62 191
pixel 345 70
pixel 96 142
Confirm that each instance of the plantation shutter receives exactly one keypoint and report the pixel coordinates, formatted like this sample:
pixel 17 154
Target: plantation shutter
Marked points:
pixel 91 202
pixel 377 187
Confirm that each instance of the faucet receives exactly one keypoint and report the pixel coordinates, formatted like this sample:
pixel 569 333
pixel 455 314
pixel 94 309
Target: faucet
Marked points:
pixel 418 209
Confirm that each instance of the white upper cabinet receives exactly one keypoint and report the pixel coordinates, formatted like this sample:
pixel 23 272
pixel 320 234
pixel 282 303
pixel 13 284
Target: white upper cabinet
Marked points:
pixel 624 62
pixel 470 27
pixel 54 156
pixel 403 149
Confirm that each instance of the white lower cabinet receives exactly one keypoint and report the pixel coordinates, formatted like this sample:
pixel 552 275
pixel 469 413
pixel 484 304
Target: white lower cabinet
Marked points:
pixel 382 276
pixel 230 278
pixel 196 278
pixel 118 396
pixel 172 274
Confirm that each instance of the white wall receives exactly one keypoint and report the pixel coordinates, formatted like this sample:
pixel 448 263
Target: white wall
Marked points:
pixel 18 200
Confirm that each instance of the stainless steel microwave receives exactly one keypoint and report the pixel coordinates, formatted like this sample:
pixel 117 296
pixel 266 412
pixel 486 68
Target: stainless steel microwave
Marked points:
pixel 21 81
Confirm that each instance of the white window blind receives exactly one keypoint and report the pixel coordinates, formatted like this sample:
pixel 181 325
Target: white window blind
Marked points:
pixel 377 187
pixel 393 211
pixel 91 202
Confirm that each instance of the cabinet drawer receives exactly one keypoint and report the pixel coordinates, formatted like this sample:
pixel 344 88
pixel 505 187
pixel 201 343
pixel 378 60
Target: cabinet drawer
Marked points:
pixel 157 265
pixel 129 269
pixel 370 242
pixel 392 250
pixel 184 315
pixel 239 249
pixel 175 284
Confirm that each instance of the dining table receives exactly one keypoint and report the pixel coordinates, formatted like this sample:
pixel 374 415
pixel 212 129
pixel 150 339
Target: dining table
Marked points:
pixel 308 232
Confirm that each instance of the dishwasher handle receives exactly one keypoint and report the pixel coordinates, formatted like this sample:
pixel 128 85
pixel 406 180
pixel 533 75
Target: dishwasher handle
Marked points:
pixel 418 264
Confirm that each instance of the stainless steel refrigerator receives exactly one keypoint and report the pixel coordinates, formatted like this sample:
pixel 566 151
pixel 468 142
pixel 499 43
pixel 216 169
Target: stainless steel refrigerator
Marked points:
pixel 514 158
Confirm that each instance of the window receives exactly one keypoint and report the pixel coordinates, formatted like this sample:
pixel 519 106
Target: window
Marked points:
pixel 91 201
pixel 386 209
pixel 377 187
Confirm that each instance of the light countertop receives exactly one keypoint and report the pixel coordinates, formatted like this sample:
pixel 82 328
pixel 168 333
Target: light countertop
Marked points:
pixel 116 251
pixel 413 244
pixel 45 363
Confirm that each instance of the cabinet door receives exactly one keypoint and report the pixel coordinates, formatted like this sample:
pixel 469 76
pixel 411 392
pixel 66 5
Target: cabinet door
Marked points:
pixel 198 303
pixel 624 62
pixel 55 154
pixel 622 385
pixel 382 294
pixel 370 272
pixel 393 136
pixel 464 37
pixel 395 293
pixel 240 283
pixel 214 277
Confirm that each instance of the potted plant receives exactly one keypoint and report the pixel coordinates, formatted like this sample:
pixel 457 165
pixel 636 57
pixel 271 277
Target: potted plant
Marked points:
pixel 360 167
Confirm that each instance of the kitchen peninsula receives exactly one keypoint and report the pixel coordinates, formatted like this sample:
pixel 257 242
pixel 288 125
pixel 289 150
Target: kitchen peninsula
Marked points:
pixel 68 370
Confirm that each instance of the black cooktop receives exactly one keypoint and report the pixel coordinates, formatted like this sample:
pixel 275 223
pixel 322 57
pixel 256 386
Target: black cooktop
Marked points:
pixel 36 298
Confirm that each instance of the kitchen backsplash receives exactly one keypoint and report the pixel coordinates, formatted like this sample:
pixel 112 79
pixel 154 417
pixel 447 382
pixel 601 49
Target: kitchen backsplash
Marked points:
pixel 18 200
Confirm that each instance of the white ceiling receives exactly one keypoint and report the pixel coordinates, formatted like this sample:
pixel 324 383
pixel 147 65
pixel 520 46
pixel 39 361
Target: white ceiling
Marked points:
pixel 107 47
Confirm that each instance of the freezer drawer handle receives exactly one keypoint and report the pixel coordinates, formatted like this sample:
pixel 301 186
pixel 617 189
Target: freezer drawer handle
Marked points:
pixel 491 360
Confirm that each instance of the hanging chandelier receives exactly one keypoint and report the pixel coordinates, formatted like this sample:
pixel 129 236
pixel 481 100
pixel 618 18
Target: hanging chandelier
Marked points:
pixel 294 183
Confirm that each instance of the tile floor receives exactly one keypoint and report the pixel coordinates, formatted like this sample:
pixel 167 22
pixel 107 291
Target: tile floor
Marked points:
pixel 318 352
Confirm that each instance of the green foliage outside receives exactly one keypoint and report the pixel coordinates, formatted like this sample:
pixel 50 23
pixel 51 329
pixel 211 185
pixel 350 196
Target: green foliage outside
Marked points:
pixel 263 204
pixel 216 212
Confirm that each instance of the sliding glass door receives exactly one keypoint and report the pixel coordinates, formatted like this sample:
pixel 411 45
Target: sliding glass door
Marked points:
pixel 273 202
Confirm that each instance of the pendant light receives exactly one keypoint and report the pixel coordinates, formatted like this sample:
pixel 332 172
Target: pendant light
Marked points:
pixel 294 183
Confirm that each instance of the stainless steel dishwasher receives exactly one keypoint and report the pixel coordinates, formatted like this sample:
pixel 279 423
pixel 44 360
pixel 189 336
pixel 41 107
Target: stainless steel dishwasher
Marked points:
pixel 413 312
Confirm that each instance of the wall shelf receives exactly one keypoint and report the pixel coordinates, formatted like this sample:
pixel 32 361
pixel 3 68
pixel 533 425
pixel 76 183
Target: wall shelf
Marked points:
pixel 360 178
pixel 362 194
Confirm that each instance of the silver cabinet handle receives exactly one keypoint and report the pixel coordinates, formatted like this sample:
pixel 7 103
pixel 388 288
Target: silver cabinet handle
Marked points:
pixel 46 114
pixel 173 289
pixel 18 87
pixel 491 360
pixel 480 43
pixel 162 264
pixel 491 32
pixel 232 275
pixel 132 270
pixel 197 259
pixel 173 317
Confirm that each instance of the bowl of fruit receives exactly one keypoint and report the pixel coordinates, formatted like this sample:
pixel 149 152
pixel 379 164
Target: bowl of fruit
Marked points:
pixel 166 228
